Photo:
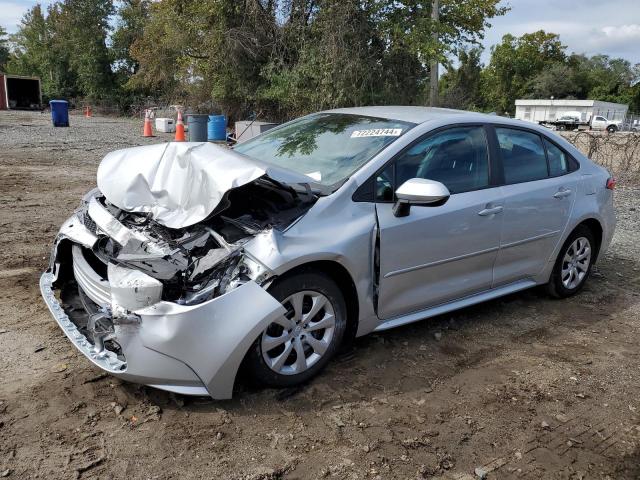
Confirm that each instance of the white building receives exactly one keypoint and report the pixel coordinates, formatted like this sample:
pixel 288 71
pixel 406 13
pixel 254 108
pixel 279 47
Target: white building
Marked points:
pixel 549 110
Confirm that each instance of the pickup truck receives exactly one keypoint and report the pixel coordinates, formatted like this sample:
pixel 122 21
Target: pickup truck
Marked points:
pixel 601 123
pixel 573 122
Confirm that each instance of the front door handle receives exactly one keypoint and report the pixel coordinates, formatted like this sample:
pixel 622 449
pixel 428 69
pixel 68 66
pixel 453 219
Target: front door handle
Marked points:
pixel 490 211
pixel 562 193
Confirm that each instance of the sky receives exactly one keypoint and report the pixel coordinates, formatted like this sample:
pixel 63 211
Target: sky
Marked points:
pixel 585 26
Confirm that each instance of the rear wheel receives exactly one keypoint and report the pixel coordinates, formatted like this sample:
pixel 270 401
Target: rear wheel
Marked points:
pixel 296 346
pixel 612 129
pixel 573 264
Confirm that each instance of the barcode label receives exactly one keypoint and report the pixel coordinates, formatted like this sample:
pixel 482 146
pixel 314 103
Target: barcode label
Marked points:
pixel 377 132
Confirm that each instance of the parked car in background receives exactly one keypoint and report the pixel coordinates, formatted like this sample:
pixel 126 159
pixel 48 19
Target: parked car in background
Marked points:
pixel 190 260
pixel 630 126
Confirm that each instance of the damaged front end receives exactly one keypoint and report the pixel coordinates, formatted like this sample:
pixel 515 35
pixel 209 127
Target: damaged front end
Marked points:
pixel 172 307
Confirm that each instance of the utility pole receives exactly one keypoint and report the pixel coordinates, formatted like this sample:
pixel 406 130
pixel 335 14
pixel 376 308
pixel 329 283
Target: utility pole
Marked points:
pixel 433 94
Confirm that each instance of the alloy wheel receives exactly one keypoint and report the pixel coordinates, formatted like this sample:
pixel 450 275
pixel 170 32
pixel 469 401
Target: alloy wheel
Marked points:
pixel 575 263
pixel 296 341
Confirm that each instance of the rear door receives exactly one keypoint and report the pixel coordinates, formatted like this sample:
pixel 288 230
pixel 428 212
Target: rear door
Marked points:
pixel 539 194
pixel 439 253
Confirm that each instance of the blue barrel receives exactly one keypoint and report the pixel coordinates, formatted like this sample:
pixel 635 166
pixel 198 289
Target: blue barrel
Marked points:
pixel 59 113
pixel 217 128
pixel 197 127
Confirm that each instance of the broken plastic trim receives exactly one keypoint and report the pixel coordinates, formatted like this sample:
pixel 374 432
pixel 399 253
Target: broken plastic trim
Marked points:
pixel 103 358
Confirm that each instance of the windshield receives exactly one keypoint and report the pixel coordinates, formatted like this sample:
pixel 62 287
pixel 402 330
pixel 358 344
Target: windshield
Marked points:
pixel 328 147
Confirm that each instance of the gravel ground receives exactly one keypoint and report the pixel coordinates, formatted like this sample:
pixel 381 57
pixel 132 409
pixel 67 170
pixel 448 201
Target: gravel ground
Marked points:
pixel 521 387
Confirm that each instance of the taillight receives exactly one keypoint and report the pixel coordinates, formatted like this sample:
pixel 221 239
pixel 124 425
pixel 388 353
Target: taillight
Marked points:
pixel 611 183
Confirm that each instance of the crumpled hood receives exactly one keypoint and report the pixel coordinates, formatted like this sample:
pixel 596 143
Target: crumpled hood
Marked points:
pixel 179 183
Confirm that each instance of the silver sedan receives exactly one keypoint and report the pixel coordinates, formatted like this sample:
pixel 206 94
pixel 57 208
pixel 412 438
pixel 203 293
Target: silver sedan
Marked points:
pixel 190 260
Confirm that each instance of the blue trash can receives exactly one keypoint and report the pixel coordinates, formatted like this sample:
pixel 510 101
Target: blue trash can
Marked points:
pixel 217 128
pixel 197 127
pixel 59 113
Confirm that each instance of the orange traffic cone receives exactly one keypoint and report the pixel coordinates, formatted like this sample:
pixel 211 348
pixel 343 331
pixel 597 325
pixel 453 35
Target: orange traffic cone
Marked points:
pixel 148 131
pixel 179 128
pixel 87 112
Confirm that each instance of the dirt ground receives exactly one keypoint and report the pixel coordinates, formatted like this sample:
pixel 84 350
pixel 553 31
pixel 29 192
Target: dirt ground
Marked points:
pixel 521 387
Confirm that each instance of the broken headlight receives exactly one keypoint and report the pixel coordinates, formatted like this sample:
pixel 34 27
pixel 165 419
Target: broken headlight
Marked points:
pixel 238 269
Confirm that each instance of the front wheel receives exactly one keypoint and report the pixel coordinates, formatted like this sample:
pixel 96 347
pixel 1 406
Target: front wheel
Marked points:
pixel 296 346
pixel 573 264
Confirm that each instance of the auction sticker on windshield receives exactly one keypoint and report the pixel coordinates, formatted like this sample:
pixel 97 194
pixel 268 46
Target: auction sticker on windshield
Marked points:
pixel 377 132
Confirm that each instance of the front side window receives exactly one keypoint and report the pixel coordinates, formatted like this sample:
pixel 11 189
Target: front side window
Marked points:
pixel 523 156
pixel 457 157
pixel 328 147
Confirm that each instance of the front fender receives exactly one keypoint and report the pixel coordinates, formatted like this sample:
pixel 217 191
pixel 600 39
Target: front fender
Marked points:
pixel 211 338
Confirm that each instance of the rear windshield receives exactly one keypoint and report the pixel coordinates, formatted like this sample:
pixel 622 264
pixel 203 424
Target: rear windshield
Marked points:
pixel 328 147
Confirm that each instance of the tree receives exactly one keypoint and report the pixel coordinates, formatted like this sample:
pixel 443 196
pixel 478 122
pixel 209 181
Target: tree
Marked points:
pixel 132 18
pixel 82 28
pixel 338 61
pixel 4 49
pixel 558 80
pixel 514 62
pixel 207 50
pixel 66 48
pixel 461 87
pixel 37 52
pixel 609 79
pixel 290 57
pixel 283 58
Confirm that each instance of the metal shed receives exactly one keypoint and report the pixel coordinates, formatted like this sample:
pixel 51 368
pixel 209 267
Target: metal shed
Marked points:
pixel 20 93
pixel 549 110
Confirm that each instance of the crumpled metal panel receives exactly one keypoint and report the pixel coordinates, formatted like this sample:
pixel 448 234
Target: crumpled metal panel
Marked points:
pixel 73 229
pixel 109 224
pixel 132 289
pixel 212 337
pixel 105 359
pixel 180 184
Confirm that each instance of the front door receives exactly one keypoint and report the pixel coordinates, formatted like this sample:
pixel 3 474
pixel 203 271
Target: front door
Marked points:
pixel 599 123
pixel 439 253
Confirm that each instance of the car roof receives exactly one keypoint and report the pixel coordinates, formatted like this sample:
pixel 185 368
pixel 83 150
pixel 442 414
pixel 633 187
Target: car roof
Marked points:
pixel 409 114
pixel 418 115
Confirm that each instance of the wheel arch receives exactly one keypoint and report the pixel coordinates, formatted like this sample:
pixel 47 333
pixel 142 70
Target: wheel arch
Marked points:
pixel 341 276
pixel 596 229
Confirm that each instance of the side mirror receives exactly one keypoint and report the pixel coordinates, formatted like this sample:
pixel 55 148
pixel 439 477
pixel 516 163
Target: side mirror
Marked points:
pixel 419 191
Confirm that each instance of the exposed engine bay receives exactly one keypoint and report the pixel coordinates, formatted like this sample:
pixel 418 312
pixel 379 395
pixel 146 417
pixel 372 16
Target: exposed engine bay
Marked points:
pixel 201 261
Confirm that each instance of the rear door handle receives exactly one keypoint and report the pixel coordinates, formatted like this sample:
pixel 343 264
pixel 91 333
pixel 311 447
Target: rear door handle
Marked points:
pixel 562 193
pixel 490 211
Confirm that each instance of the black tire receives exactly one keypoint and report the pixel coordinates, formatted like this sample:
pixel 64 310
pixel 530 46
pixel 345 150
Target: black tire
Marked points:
pixel 556 287
pixel 612 129
pixel 281 290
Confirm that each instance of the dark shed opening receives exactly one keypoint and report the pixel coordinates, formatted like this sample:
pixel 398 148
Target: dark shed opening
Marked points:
pixel 23 93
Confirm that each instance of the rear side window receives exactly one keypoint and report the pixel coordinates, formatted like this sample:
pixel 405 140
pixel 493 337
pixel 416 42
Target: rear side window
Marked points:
pixel 523 156
pixel 558 163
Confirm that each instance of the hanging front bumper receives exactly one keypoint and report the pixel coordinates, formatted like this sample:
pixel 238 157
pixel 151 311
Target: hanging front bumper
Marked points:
pixel 194 350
